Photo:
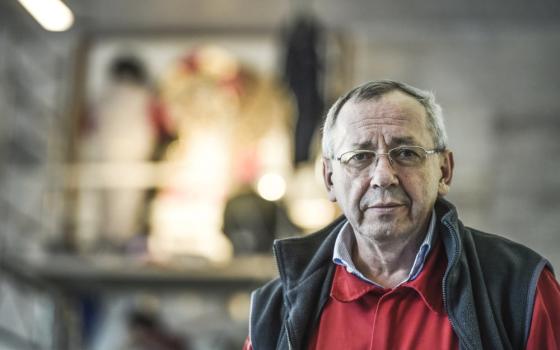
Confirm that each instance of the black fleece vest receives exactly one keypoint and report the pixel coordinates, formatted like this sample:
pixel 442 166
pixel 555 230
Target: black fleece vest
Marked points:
pixel 488 287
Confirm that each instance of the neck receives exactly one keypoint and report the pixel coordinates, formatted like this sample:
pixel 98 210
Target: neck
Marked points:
pixel 389 262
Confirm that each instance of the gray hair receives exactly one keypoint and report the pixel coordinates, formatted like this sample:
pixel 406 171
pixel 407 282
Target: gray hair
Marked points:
pixel 375 89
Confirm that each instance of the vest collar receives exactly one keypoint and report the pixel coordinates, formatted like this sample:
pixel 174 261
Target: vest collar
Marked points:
pixel 309 259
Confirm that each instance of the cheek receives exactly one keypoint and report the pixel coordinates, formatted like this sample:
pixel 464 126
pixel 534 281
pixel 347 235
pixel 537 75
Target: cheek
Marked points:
pixel 415 186
pixel 422 191
pixel 349 193
pixel 359 187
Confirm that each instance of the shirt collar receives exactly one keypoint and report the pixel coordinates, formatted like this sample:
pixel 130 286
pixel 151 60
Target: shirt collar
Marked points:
pixel 342 254
pixel 429 283
pixel 347 288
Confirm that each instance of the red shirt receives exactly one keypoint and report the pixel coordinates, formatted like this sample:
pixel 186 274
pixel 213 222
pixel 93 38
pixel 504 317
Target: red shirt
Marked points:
pixel 360 315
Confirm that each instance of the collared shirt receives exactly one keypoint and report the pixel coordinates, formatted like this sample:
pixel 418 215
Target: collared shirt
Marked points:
pixel 362 315
pixel 345 241
pixel 544 323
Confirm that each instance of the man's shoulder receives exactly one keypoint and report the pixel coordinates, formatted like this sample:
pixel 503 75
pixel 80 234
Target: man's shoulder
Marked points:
pixel 311 239
pixel 297 258
pixel 268 296
pixel 499 254
pixel 498 244
pixel 489 247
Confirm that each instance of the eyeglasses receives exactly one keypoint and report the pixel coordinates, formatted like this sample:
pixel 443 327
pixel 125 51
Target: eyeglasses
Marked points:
pixel 406 156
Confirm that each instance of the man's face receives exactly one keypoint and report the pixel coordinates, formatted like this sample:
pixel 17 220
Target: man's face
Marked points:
pixel 386 201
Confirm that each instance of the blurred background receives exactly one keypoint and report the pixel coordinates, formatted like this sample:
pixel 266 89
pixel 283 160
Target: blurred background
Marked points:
pixel 150 151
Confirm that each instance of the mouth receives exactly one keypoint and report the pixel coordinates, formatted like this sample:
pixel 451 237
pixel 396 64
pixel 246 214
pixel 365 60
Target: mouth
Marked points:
pixel 384 207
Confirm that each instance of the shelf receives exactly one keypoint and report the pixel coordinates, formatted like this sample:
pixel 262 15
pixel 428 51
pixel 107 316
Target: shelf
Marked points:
pixel 107 273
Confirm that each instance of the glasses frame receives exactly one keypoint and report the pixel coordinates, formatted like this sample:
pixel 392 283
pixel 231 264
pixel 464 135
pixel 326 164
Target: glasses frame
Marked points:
pixel 427 152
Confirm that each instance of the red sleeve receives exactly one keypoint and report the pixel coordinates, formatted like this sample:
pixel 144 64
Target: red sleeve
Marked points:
pixel 247 345
pixel 546 314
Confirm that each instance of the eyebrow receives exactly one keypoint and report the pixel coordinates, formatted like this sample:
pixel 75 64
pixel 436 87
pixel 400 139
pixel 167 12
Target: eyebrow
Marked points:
pixel 405 140
pixel 395 141
pixel 363 145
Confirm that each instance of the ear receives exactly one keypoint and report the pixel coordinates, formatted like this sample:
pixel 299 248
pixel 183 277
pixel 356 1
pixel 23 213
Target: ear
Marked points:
pixel 327 179
pixel 446 166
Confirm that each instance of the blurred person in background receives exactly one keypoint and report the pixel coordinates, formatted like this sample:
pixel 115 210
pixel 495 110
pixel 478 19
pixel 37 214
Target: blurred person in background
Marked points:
pixel 128 125
pixel 399 270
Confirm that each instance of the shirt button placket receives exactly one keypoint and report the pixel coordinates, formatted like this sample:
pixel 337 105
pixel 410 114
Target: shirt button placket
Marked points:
pixel 380 332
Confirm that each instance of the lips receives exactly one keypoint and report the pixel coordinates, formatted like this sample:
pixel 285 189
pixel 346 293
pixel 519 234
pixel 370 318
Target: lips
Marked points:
pixel 387 199
pixel 384 208
pixel 385 205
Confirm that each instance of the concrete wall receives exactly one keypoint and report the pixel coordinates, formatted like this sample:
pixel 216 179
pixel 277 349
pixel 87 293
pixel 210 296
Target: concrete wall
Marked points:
pixel 499 87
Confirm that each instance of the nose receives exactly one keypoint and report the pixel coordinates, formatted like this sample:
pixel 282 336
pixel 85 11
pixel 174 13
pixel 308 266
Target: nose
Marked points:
pixel 382 172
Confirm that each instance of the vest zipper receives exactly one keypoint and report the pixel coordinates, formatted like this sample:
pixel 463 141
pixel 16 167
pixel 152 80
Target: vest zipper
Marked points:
pixel 444 292
pixel 290 346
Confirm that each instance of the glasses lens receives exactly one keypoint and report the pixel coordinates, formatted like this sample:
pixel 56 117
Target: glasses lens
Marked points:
pixel 357 160
pixel 408 155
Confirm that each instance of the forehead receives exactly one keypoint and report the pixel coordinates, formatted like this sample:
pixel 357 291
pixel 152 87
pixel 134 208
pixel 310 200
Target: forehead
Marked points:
pixel 396 117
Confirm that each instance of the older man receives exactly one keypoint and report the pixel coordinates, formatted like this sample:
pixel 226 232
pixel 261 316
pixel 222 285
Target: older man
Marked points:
pixel 399 270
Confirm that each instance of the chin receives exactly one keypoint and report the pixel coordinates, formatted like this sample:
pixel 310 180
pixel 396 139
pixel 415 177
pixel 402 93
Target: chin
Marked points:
pixel 378 232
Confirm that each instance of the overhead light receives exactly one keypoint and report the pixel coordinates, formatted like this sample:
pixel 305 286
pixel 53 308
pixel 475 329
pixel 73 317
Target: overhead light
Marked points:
pixel 53 15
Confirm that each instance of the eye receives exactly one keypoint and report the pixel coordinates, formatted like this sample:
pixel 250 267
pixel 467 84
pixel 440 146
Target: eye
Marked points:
pixel 407 155
pixel 357 159
pixel 360 160
pixel 362 156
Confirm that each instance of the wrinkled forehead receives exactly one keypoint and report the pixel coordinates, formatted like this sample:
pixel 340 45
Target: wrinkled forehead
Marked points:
pixel 395 116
